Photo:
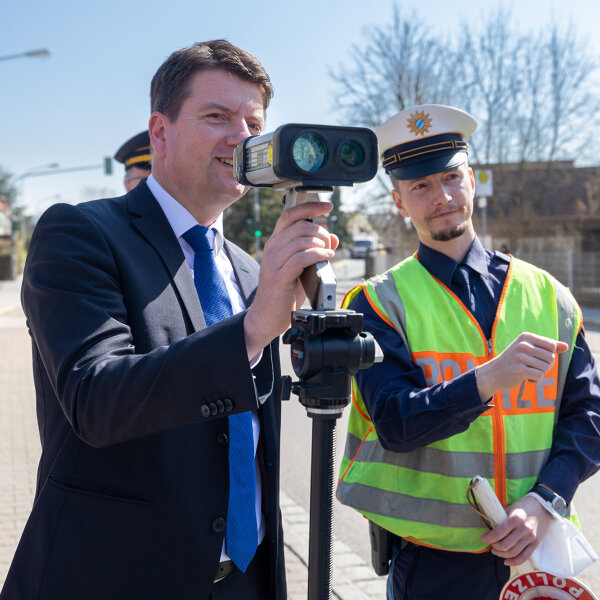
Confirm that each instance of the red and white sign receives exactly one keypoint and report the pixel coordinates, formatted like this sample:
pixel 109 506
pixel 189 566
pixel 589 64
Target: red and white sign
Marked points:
pixel 544 586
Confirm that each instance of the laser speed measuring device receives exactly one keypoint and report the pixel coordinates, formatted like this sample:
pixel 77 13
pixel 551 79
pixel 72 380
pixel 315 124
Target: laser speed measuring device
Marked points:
pixel 297 155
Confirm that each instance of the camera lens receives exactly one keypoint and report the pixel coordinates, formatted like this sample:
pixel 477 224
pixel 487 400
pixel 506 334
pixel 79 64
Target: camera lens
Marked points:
pixel 309 152
pixel 352 154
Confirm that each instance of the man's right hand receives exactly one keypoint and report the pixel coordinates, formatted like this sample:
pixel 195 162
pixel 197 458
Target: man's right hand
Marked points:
pixel 294 245
pixel 529 357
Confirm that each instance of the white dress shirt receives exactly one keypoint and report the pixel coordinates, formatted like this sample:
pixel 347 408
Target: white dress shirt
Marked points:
pixel 181 220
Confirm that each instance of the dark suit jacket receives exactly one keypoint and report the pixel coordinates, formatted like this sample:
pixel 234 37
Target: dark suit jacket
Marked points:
pixel 133 393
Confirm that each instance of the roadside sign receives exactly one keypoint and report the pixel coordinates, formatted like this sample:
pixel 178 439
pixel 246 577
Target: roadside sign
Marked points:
pixel 484 182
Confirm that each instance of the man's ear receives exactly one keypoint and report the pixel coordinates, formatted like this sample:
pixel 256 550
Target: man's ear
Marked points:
pixel 472 177
pixel 156 128
pixel 399 205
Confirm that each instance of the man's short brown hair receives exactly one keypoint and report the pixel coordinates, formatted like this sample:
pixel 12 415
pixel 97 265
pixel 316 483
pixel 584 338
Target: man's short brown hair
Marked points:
pixel 171 83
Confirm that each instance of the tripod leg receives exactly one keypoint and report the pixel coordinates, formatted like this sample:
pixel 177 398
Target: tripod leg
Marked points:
pixel 320 555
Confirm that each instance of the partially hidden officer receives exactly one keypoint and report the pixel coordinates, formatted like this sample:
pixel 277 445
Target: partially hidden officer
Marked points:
pixel 136 155
pixel 156 367
pixel 486 371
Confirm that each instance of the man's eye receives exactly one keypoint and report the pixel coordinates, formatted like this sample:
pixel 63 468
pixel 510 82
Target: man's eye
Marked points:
pixel 254 127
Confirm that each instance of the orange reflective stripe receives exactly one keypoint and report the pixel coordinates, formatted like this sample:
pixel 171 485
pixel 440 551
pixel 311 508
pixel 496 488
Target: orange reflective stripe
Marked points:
pixel 498 421
pixel 445 366
pixel 409 539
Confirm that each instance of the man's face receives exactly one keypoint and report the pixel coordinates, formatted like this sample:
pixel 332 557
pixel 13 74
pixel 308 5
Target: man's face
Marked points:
pixel 133 176
pixel 440 206
pixel 197 157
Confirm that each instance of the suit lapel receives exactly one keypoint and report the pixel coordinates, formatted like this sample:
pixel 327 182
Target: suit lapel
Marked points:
pixel 246 271
pixel 150 220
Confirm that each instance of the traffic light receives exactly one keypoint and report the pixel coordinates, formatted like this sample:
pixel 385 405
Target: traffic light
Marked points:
pixel 108 165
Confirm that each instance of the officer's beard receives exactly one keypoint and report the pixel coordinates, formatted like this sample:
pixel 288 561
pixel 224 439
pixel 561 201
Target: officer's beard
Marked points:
pixel 445 235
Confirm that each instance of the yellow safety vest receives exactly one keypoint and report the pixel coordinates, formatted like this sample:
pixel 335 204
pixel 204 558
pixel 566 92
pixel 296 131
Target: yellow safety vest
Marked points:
pixel 421 495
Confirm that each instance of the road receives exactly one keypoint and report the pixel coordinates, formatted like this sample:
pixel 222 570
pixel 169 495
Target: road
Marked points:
pixel 350 527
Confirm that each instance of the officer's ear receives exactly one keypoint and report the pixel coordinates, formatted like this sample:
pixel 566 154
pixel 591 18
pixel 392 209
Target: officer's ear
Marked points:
pixel 398 202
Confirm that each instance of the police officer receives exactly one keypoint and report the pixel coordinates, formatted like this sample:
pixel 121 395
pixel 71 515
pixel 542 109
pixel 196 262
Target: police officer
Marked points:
pixel 136 155
pixel 486 371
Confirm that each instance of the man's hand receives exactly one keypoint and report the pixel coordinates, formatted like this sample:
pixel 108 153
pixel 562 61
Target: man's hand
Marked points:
pixel 294 245
pixel 520 534
pixel 530 357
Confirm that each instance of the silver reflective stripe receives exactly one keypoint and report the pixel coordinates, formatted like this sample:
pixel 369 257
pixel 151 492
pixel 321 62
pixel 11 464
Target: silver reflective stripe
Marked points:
pixel 425 460
pixel 408 508
pixel 391 302
pixel 525 464
pixel 566 329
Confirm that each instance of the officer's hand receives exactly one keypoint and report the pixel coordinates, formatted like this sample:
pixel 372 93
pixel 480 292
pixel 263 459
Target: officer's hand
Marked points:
pixel 520 534
pixel 294 245
pixel 530 357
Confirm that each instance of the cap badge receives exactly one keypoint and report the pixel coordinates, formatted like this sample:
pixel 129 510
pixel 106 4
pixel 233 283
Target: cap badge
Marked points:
pixel 419 123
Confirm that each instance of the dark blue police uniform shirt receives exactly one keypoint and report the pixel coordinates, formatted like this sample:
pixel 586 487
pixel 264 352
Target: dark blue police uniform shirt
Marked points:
pixel 407 414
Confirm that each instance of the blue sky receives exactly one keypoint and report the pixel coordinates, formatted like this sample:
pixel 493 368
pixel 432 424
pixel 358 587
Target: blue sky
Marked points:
pixel 81 103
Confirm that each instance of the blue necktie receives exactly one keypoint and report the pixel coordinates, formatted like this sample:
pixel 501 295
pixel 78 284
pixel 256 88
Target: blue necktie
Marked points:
pixel 460 279
pixel 241 536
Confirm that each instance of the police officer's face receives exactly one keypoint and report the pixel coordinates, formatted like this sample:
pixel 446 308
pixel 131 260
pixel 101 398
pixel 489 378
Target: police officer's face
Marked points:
pixel 196 159
pixel 133 176
pixel 439 205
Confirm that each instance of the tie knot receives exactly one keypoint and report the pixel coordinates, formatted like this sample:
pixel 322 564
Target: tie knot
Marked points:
pixel 200 238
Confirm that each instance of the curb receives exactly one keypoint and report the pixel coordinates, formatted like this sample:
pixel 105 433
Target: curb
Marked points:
pixel 352 579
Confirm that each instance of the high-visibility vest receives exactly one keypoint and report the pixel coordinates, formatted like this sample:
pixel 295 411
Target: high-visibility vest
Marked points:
pixel 421 495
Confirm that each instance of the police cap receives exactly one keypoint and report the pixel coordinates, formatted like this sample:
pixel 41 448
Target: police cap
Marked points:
pixel 424 139
pixel 136 152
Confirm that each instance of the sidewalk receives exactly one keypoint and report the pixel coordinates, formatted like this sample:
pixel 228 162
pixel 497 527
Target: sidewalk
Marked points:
pixel 20 450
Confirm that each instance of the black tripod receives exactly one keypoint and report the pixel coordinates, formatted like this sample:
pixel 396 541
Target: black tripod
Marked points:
pixel 328 347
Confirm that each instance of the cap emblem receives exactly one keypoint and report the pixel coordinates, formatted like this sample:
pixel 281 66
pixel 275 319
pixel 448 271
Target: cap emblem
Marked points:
pixel 419 123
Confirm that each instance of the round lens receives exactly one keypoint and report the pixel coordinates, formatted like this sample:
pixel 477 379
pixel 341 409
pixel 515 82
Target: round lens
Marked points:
pixel 352 153
pixel 309 152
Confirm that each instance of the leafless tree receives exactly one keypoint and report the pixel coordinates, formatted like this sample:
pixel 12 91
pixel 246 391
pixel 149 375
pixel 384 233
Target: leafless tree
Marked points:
pixel 532 93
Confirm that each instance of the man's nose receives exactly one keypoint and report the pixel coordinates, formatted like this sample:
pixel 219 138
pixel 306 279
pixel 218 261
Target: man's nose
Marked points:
pixel 239 131
pixel 441 193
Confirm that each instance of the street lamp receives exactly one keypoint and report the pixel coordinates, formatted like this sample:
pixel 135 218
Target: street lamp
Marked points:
pixel 36 170
pixel 41 52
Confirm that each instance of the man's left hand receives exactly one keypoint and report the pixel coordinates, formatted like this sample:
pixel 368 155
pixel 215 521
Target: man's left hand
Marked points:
pixel 520 534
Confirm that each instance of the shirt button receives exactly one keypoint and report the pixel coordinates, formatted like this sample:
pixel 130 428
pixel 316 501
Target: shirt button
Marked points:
pixel 223 439
pixel 213 409
pixel 220 406
pixel 228 405
pixel 218 525
pixel 205 411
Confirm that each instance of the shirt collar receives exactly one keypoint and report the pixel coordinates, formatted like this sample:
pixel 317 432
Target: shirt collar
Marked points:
pixel 442 266
pixel 179 217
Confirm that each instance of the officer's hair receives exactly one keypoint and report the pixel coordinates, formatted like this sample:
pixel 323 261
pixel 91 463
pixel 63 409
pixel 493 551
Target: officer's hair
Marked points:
pixel 171 83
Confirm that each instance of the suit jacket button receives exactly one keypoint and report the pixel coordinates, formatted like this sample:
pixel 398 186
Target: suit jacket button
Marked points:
pixel 228 405
pixel 223 439
pixel 205 411
pixel 218 525
pixel 213 409
pixel 220 406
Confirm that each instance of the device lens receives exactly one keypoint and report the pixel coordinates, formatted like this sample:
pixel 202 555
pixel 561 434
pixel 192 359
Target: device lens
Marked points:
pixel 352 154
pixel 309 152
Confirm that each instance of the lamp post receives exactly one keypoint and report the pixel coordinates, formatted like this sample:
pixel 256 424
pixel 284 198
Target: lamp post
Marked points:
pixel 40 53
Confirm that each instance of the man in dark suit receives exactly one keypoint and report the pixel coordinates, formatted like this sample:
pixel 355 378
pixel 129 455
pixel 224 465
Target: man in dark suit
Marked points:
pixel 136 382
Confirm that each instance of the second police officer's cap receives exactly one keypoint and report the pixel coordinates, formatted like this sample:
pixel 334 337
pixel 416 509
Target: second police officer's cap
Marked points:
pixel 136 152
pixel 424 139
